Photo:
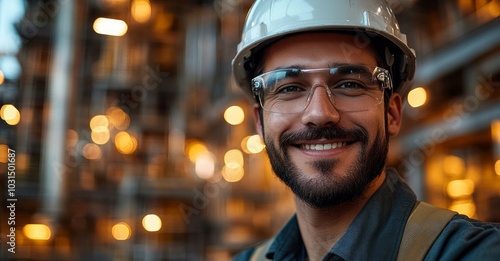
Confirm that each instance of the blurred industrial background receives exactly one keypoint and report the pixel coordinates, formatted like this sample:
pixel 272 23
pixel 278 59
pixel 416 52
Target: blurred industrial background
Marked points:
pixel 131 142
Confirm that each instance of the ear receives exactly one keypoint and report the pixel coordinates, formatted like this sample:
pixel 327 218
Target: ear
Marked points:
pixel 257 120
pixel 394 114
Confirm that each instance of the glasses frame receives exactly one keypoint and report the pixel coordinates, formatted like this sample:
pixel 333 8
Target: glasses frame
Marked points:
pixel 380 75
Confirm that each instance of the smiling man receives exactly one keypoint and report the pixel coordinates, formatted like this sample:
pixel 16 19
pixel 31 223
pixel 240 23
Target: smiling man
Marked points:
pixel 327 78
pixel 324 130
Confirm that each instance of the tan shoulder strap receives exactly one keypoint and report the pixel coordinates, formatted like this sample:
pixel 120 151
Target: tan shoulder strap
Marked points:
pixel 422 228
pixel 260 251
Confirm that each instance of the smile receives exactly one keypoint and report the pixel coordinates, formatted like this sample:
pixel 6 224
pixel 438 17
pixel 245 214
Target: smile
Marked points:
pixel 327 146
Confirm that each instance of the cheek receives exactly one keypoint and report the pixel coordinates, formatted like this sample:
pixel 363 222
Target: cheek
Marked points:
pixel 372 121
pixel 275 124
pixel 376 126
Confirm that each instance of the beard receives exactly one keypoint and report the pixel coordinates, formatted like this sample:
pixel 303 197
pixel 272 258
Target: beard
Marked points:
pixel 329 190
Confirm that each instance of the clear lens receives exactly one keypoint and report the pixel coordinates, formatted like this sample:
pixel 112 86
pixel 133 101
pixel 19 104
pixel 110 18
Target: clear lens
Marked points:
pixel 350 88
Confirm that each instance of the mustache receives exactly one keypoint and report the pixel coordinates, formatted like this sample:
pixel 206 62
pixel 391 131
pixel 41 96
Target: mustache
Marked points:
pixel 333 132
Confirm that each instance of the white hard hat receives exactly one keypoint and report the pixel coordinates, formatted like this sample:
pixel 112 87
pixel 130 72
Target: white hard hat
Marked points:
pixel 269 20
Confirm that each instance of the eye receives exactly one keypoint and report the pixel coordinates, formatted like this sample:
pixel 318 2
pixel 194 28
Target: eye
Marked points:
pixel 289 89
pixel 350 85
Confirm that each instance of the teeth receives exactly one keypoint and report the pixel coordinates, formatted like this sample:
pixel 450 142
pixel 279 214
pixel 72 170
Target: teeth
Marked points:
pixel 328 146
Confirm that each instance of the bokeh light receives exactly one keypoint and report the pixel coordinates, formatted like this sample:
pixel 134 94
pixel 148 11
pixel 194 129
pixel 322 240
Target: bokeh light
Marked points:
pixel 101 137
pixel 233 158
pixel 2 77
pixel 10 114
pixel 151 222
pixel 195 148
pixel 234 115
pixel 108 26
pixel 71 138
pixel 121 231
pixel 37 231
pixel 125 143
pixel 92 152
pixel 205 165
pixel 465 207
pixel 417 97
pixel 232 174
pixel 244 145
pixel 453 165
pixel 99 123
pixel 4 153
pixel 460 188
pixel 118 118
pixel 141 10
pixel 255 144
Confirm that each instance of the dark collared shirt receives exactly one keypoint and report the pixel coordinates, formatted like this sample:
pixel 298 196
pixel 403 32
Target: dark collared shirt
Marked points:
pixel 376 232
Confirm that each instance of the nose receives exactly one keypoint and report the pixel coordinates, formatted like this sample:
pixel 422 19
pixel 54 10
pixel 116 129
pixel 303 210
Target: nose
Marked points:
pixel 320 111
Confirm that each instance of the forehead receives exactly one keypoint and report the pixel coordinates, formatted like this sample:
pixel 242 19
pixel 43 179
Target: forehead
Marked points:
pixel 318 50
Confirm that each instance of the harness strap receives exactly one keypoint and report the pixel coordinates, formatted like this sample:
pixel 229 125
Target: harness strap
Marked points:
pixel 422 228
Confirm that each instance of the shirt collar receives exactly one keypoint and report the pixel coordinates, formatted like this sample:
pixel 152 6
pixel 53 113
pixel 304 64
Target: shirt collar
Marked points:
pixel 378 228
pixel 288 244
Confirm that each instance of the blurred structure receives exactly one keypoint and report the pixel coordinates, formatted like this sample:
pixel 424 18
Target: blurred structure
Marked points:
pixel 132 143
pixel 449 149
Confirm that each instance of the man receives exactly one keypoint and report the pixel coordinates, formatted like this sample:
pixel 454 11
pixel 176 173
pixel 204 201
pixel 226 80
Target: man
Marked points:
pixel 327 78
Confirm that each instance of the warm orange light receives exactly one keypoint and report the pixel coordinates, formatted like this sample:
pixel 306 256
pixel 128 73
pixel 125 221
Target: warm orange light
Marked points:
pixel 125 143
pixel 233 170
pixel 100 132
pixel 497 167
pixel 99 123
pixel 2 109
pixel 495 131
pixel 194 149
pixel 2 77
pixel 121 231
pixel 453 165
pixel 71 138
pixel 460 188
pixel 15 120
pixel 22 161
pixel 493 9
pixel 255 144
pixel 151 222
pixel 417 97
pixel 164 21
pixel 112 27
pixel 37 231
pixel 233 158
pixel 232 174
pixel 205 165
pixel 92 152
pixel 101 137
pixel 10 114
pixel 118 118
pixel 244 145
pixel 4 153
pixel 465 207
pixel 234 115
pixel 141 10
